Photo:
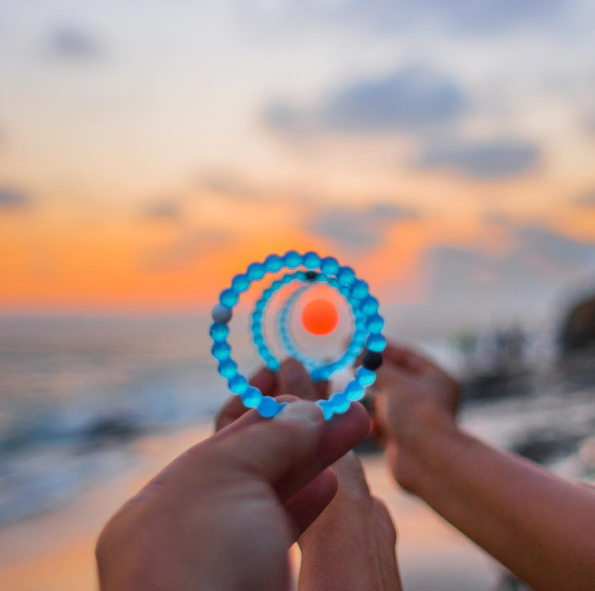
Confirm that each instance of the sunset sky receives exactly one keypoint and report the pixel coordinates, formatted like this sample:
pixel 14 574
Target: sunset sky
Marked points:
pixel 151 149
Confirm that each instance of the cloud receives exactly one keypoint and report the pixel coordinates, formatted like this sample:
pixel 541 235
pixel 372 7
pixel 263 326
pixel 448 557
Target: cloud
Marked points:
pixel 497 218
pixel 469 286
pixel 71 43
pixel 540 258
pixel 354 229
pixel 494 159
pixel 552 251
pixel 188 246
pixel 164 210
pixel 469 16
pixel 284 117
pixel 587 199
pixel 409 99
pixel 13 200
pixel 398 17
pixel 229 183
pixel 243 188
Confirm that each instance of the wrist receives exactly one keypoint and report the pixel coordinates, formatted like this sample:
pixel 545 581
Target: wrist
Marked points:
pixel 427 449
pixel 349 513
pixel 426 421
pixel 366 536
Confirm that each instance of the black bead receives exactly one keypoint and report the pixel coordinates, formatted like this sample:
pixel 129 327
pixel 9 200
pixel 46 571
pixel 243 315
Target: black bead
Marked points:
pixel 372 360
pixel 311 275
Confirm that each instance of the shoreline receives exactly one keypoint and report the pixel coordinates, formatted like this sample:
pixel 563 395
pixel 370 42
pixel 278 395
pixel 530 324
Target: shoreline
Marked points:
pixel 55 551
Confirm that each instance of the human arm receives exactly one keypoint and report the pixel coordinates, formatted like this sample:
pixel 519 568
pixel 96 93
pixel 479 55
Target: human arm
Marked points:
pixel 537 524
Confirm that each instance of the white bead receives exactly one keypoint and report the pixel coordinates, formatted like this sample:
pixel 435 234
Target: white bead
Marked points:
pixel 221 313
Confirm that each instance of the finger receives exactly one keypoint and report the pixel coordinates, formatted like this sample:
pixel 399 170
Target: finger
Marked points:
pixel 250 417
pixel 343 432
pixel 270 450
pixel 350 473
pixel 321 389
pixel 294 379
pixel 231 411
pixel 351 426
pixel 308 503
pixel 400 356
pixel 250 435
pixel 264 379
pixel 391 380
pixel 339 436
pixel 289 453
pixel 227 424
pixel 406 358
pixel 185 461
pixel 379 430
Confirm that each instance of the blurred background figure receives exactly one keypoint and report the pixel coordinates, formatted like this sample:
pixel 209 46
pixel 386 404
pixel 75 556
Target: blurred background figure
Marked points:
pixel 151 150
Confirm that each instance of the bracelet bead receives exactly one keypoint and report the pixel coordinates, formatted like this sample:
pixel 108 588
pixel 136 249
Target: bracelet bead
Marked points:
pixel 221 313
pixel 292 259
pixel 367 323
pixel 372 360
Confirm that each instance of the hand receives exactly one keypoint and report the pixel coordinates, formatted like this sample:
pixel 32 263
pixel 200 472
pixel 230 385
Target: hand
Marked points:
pixel 524 516
pixel 414 397
pixel 360 526
pixel 223 515
pixel 354 521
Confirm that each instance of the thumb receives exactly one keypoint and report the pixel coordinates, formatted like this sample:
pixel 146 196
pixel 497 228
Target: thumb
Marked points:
pixel 281 450
pixel 287 452
pixel 294 379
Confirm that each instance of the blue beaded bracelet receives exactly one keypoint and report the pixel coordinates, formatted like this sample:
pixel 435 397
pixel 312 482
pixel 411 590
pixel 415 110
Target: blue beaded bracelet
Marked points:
pixel 320 371
pixel 364 307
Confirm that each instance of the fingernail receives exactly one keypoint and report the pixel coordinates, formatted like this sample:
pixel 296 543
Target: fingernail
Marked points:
pixel 301 411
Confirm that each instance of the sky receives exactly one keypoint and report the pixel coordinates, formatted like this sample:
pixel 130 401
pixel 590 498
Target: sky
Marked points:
pixel 150 150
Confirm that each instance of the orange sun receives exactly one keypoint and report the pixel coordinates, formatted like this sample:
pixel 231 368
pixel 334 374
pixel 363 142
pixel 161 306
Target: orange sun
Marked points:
pixel 320 317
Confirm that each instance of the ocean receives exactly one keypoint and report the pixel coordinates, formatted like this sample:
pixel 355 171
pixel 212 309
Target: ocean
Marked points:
pixel 73 390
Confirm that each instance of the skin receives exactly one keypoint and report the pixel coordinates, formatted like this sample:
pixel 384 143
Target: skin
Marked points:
pixel 359 525
pixel 355 522
pixel 223 515
pixel 254 476
pixel 538 525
